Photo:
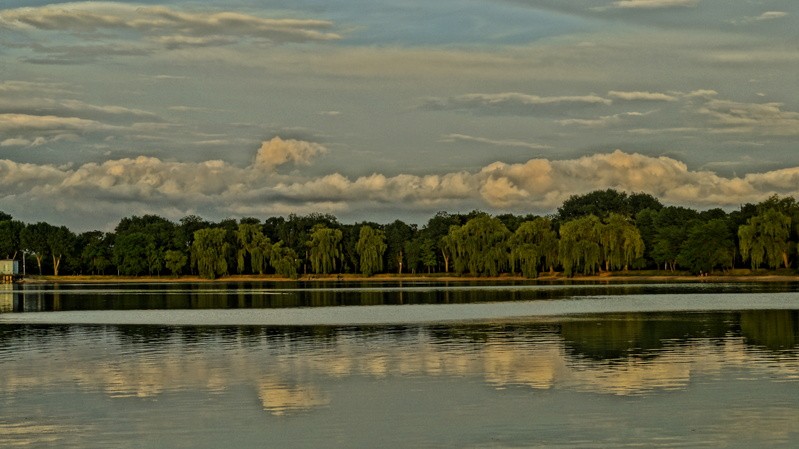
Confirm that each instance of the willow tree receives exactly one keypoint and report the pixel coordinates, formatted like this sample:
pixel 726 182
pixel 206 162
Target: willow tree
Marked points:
pixel 324 248
pixel 481 245
pixel 534 244
pixel 764 237
pixel 253 243
pixel 621 242
pixel 370 247
pixel 209 251
pixel 579 248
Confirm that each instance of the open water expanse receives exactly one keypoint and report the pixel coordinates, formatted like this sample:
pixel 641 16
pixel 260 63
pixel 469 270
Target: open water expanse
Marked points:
pixel 437 365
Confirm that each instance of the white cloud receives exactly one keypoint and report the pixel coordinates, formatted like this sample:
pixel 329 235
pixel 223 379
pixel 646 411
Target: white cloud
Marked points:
pixel 751 118
pixel 173 28
pixel 641 96
pixel 654 4
pixel 277 151
pixel 15 142
pixel 10 123
pixel 539 185
pixel 603 121
pixel 771 15
pixel 513 103
pixel 454 138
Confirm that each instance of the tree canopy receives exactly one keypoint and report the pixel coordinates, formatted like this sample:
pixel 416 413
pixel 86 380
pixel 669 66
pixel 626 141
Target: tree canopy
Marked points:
pixel 604 230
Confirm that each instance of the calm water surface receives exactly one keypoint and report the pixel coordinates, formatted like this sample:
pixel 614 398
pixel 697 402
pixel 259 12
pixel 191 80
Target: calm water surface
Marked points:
pixel 410 365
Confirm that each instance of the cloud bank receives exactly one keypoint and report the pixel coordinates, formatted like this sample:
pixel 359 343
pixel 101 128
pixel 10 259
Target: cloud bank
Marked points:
pixel 162 23
pixel 217 188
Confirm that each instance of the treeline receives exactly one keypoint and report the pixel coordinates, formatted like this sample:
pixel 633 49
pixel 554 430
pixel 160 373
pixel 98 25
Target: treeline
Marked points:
pixel 604 230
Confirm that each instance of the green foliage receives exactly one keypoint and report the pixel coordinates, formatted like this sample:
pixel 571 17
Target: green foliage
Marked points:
pixel 579 248
pixel 33 238
pixel 209 251
pixel 533 245
pixel 61 243
pixel 397 234
pixel 325 249
pixel 370 247
pixel 254 244
pixel 764 238
pixel 10 231
pixel 620 241
pixel 130 253
pixel 668 244
pixel 95 254
pixel 709 246
pixel 284 260
pixel 481 246
pixel 175 261
pixel 184 231
pixel 602 202
pixel 599 234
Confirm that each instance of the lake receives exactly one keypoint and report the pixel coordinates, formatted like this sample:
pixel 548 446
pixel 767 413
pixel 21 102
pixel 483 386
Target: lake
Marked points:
pixel 399 364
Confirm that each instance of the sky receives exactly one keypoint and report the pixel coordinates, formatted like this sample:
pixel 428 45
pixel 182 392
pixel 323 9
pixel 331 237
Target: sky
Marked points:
pixel 378 110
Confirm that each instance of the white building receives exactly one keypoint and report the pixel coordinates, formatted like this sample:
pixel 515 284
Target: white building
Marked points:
pixel 9 270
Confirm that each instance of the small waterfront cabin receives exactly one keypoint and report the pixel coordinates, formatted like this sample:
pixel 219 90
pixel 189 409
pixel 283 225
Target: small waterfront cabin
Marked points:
pixel 9 271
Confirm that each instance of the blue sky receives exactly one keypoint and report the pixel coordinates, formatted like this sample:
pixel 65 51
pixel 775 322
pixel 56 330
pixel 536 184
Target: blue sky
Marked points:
pixel 381 110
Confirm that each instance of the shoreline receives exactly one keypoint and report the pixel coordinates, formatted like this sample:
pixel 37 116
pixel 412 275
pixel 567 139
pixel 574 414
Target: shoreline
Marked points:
pixel 546 278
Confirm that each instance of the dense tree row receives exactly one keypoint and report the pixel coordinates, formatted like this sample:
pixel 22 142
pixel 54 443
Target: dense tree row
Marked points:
pixel 604 230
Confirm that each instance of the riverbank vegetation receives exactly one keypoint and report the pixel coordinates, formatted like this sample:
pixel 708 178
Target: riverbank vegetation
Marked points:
pixel 601 232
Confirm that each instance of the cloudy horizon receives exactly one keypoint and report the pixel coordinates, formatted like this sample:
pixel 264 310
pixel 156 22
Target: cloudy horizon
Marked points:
pixel 377 111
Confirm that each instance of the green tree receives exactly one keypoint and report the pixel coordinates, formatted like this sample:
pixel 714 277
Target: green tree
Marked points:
pixel 436 229
pixel 397 234
pixel 370 247
pixel 533 245
pixel 709 245
pixel 295 232
pixel 209 252
pixel 155 258
pixel 427 254
pixel 252 244
pixel 324 249
pixel 10 231
pixel 668 243
pixel 95 251
pixel 61 243
pixel 578 249
pixel 672 225
pixel 481 245
pixel 284 260
pixel 130 253
pixel 602 202
pixel 175 261
pixel 620 241
pixel 184 231
pixel 33 238
pixel 764 238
